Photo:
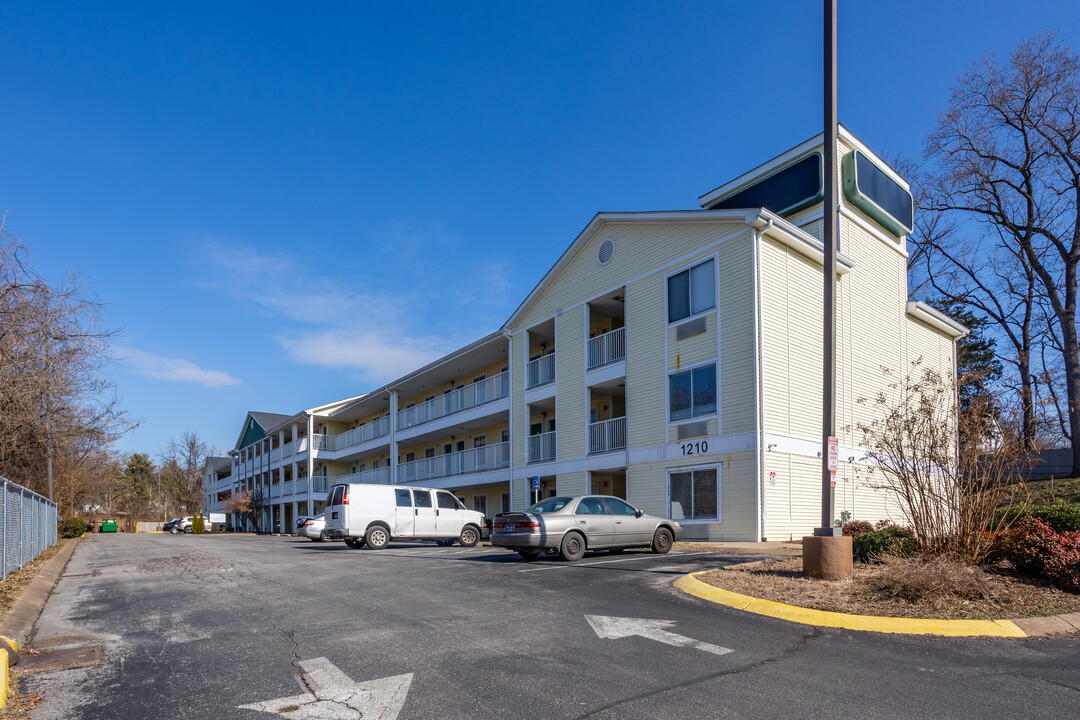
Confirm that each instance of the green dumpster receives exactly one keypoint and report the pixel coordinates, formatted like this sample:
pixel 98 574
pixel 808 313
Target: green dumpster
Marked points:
pixel 108 526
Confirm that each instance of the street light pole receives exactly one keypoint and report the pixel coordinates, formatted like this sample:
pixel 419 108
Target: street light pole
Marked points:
pixel 831 202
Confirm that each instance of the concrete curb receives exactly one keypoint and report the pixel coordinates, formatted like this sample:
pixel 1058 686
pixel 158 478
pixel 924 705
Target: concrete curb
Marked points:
pixel 19 621
pixel 866 623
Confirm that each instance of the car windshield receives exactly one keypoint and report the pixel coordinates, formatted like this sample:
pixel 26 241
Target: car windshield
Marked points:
pixel 550 505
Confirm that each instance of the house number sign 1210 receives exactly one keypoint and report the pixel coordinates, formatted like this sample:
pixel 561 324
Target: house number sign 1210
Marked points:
pixel 698 447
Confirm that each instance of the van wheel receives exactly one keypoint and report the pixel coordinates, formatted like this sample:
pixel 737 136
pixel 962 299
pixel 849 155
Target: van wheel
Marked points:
pixel 469 536
pixel 354 543
pixel 572 547
pixel 661 541
pixel 377 537
pixel 529 555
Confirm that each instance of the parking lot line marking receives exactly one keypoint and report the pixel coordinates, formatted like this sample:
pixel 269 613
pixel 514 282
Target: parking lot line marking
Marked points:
pixel 602 562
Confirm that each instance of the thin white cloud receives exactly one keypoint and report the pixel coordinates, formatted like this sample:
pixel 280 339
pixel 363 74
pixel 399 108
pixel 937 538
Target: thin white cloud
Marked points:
pixel 174 369
pixel 376 319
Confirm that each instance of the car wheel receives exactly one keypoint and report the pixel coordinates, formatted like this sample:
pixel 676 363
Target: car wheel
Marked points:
pixel 661 541
pixel 318 539
pixel 572 547
pixel 445 543
pixel 529 555
pixel 174 531
pixel 377 537
pixel 354 543
pixel 469 536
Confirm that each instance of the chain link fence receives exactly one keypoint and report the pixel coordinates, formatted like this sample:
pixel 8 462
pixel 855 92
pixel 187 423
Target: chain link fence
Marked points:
pixel 29 526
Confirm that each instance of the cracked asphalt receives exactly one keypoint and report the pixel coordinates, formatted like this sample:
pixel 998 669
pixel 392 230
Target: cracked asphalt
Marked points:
pixel 198 626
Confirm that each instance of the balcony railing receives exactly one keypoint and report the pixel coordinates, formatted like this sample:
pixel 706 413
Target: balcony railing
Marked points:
pixel 607 348
pixel 541 447
pixel 463 462
pixel 287 488
pixel 319 483
pixel 323 442
pixel 379 476
pixel 470 396
pixel 540 371
pixel 607 435
pixel 287 449
pixel 370 431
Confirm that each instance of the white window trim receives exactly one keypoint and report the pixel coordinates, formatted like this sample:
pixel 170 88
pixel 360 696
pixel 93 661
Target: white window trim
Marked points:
pixel 719 492
pixel 715 257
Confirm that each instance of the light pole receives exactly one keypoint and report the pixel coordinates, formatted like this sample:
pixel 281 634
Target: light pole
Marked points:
pixel 827 554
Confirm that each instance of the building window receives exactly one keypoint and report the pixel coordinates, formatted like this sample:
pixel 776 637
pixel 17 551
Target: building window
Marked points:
pixel 693 393
pixel 694 495
pixel 479 503
pixel 504 502
pixel 691 291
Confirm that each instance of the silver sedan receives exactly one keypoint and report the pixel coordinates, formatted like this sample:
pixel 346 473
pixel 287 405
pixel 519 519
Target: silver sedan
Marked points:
pixel 572 525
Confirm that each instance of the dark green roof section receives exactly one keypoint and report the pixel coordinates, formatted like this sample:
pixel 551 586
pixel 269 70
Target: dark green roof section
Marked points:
pixel 252 433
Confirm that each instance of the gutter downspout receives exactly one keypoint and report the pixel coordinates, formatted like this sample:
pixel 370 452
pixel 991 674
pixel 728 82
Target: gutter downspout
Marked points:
pixel 759 227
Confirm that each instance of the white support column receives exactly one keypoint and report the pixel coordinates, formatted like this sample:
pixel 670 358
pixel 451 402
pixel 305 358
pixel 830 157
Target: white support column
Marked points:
pixel 310 452
pixel 393 437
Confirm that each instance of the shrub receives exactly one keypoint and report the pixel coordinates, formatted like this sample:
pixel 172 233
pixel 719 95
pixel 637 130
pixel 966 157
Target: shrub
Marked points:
pixel 73 527
pixel 1035 548
pixel 198 525
pixel 891 539
pixel 1061 515
pixel 855 528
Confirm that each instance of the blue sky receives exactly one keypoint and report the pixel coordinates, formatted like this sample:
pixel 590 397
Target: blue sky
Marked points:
pixel 286 204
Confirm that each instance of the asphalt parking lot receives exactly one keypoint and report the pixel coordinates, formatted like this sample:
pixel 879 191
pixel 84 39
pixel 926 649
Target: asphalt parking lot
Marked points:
pixel 254 627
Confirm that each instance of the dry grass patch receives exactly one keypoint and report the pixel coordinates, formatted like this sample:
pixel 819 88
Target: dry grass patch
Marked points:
pixel 13 585
pixel 901 587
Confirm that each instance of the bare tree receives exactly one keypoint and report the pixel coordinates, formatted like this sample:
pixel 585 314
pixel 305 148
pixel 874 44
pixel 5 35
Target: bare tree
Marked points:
pixel 55 399
pixel 949 489
pixel 181 471
pixel 1006 154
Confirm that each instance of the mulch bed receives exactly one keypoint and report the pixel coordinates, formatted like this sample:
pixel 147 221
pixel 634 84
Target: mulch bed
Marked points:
pixel 781 580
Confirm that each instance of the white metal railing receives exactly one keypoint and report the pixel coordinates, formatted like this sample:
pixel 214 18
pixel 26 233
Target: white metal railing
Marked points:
pixel 319 483
pixel 379 476
pixel 275 454
pixel 287 449
pixel 481 459
pixel 287 489
pixel 323 442
pixel 541 447
pixel 607 348
pixel 540 371
pixel 301 445
pixel 607 435
pixel 370 431
pixel 473 394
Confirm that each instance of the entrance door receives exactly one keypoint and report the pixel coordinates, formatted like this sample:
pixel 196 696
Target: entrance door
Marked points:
pixel 403 513
pixel 423 514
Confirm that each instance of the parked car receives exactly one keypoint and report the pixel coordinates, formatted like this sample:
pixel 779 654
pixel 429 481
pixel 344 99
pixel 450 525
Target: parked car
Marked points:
pixel 183 525
pixel 572 525
pixel 376 514
pixel 313 528
pixel 300 523
pixel 171 526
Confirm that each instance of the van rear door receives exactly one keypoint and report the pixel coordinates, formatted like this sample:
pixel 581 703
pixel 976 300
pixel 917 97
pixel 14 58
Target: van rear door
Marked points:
pixel 335 512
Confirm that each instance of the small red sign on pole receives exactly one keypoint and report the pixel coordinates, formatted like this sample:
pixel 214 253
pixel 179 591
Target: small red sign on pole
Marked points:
pixel 834 458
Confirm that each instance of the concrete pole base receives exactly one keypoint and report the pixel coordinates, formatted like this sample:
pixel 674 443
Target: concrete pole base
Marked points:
pixel 826 558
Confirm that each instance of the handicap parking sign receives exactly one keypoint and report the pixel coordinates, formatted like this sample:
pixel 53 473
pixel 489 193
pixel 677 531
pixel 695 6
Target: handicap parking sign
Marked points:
pixel 536 482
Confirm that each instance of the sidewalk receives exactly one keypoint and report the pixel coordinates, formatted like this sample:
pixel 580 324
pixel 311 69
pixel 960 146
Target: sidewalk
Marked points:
pixel 19 621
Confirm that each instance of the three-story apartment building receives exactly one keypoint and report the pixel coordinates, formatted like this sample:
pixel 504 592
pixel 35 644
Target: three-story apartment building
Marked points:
pixel 669 358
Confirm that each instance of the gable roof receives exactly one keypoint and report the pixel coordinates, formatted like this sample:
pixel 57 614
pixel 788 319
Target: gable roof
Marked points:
pixel 266 422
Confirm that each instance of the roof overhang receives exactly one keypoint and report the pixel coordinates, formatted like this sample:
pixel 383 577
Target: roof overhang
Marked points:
pixel 936 319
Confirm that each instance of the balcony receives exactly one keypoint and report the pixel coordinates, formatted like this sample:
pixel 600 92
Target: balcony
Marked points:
pixel 470 396
pixel 540 371
pixel 607 348
pixel 607 435
pixel 374 429
pixel 541 447
pixel 287 488
pixel 323 442
pixel 482 459
pixel 378 476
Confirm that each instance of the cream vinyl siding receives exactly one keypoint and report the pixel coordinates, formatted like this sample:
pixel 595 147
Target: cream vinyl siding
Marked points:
pixel 738 356
pixel 575 483
pixel 571 400
pixel 639 249
pixel 646 391
pixel 694 350
pixel 519 423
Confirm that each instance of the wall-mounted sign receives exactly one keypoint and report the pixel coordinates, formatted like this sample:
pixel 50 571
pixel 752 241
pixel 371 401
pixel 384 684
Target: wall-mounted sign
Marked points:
pixel 869 188
pixel 788 190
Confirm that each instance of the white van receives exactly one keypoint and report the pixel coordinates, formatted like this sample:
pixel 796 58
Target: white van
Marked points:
pixel 376 514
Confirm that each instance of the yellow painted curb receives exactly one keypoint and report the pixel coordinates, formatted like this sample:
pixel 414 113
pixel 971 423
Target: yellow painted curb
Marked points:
pixel 868 623
pixel 3 678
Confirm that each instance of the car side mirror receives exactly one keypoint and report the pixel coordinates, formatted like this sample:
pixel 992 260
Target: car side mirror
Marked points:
pixel 639 513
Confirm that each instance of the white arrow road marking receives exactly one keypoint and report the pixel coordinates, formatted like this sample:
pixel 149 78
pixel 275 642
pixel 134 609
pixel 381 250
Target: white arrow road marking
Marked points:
pixel 617 627
pixel 332 695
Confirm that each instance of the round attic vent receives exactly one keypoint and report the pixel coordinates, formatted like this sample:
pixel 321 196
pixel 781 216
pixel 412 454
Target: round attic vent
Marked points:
pixel 606 251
